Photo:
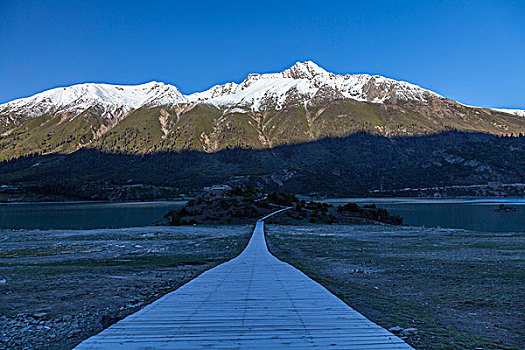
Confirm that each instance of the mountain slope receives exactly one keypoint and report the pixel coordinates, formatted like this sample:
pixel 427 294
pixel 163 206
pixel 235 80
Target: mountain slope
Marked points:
pixel 444 164
pixel 301 104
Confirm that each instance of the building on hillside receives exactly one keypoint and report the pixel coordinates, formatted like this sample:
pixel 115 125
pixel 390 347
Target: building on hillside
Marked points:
pixel 217 188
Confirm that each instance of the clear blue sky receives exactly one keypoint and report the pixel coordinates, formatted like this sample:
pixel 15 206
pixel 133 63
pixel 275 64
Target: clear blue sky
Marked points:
pixel 470 51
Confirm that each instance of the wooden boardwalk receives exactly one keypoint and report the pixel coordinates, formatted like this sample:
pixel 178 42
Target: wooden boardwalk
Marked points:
pixel 254 301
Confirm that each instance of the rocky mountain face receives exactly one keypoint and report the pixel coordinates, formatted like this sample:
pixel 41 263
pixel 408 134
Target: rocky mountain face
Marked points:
pixel 301 104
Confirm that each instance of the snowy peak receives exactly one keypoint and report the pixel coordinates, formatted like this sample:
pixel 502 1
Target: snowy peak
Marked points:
pixel 304 70
pixel 109 98
pixel 306 81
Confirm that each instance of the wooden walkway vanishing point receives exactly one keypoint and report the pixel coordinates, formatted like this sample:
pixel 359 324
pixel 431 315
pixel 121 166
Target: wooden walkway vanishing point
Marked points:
pixel 254 301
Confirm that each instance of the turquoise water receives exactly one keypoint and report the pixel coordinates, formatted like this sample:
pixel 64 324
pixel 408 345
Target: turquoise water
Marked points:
pixel 474 214
pixel 470 214
pixel 83 215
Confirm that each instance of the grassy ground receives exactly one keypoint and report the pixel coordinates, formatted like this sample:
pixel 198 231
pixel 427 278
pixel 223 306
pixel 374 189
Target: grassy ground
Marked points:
pixel 459 289
pixel 59 287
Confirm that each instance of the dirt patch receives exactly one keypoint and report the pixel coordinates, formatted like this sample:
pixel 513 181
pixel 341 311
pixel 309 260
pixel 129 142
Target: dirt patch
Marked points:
pixel 59 287
pixel 457 289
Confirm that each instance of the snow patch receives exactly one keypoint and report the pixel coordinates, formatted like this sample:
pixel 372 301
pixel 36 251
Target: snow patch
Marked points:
pixel 518 112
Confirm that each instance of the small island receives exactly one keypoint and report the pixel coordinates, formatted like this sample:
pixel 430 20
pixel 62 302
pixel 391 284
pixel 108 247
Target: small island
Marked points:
pixel 242 205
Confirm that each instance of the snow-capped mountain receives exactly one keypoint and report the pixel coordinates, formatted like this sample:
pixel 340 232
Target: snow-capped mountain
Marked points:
pixel 300 104
pixel 306 81
pixel 303 81
pixel 112 100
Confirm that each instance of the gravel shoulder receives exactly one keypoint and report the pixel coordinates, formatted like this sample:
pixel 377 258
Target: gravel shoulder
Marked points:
pixel 436 288
pixel 58 287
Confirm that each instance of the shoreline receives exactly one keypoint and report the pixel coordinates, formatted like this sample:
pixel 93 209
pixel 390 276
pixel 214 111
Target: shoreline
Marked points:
pixel 459 199
pixel 94 201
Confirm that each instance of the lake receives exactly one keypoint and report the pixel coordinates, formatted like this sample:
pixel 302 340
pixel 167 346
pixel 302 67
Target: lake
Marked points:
pixel 83 215
pixel 470 214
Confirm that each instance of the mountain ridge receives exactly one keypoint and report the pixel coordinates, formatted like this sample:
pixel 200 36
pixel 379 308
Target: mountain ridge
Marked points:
pixel 300 104
pixel 300 70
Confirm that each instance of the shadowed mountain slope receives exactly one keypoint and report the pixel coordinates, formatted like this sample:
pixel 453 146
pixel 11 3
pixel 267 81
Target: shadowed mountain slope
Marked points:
pixel 450 163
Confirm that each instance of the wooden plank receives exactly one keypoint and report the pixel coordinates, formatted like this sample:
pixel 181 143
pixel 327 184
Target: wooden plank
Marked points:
pixel 254 301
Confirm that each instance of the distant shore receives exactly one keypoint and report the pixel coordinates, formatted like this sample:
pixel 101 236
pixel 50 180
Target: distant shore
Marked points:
pixel 325 199
pixel 94 201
